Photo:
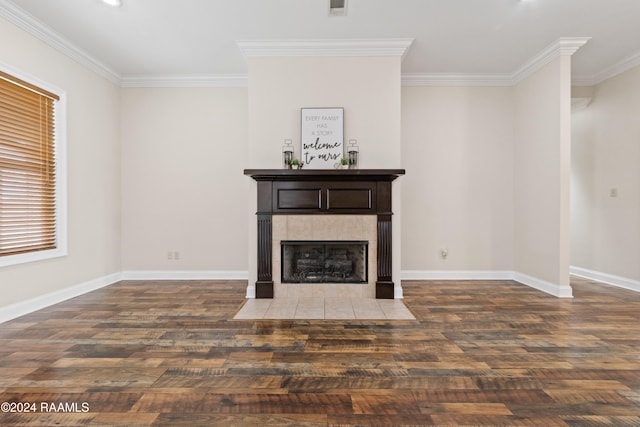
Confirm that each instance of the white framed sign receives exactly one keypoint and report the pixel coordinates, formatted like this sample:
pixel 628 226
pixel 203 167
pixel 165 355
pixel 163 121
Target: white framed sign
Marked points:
pixel 322 137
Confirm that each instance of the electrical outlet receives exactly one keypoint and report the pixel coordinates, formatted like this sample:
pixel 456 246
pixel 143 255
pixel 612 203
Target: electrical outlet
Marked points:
pixel 176 255
pixel 170 255
pixel 444 253
pixel 613 192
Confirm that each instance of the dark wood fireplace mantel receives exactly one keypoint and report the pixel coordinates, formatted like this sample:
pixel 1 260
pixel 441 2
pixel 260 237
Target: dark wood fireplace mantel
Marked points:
pixel 318 192
pixel 337 174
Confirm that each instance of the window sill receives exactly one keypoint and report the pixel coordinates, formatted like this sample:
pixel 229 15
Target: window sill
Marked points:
pixel 25 258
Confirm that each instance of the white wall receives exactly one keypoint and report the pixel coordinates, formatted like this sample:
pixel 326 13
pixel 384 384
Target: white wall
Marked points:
pixel 93 148
pixel 542 175
pixel 184 151
pixel 582 188
pixel 458 194
pixel 488 173
pixel 367 87
pixel 606 156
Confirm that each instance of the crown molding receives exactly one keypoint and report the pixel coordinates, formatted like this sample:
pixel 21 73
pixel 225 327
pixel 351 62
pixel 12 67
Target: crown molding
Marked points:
pixel 36 28
pixel 320 47
pixel 325 47
pixel 444 79
pixel 620 67
pixel 190 80
pixel 583 80
pixel 561 47
pixel 564 46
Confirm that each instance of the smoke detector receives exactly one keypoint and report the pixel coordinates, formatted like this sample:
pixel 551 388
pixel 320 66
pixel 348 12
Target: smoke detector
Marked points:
pixel 338 7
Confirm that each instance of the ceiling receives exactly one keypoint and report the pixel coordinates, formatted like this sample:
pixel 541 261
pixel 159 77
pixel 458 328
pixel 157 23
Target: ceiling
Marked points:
pixel 461 37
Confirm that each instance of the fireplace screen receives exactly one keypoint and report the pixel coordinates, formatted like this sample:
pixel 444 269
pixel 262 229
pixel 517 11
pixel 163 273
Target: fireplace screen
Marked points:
pixel 324 261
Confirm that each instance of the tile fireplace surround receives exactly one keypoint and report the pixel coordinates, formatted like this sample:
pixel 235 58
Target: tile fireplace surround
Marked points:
pixel 324 227
pixel 321 205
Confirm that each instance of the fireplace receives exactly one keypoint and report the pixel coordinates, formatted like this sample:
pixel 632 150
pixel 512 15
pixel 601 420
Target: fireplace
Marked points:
pixel 324 205
pixel 339 261
pixel 322 229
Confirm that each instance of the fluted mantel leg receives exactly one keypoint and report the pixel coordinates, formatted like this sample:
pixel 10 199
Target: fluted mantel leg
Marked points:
pixel 264 285
pixel 384 284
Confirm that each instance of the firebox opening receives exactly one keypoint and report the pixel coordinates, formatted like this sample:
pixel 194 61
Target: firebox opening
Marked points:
pixel 342 261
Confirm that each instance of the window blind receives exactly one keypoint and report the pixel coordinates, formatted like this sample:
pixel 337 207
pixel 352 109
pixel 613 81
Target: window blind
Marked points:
pixel 27 167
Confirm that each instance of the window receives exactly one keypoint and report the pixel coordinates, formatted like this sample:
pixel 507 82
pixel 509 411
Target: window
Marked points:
pixel 31 208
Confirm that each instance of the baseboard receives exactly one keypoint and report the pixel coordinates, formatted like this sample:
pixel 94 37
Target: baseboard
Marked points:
pixel 34 304
pixel 397 292
pixel 544 286
pixel 29 306
pixel 539 284
pixel 251 290
pixel 25 307
pixel 184 275
pixel 455 275
pixel 610 279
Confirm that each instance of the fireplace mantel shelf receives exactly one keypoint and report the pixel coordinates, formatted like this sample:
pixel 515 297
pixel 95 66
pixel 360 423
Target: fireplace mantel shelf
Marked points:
pixel 322 192
pixel 329 174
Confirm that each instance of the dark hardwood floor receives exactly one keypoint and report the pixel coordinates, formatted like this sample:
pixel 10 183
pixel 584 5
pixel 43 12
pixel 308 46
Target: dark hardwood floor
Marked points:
pixel 480 354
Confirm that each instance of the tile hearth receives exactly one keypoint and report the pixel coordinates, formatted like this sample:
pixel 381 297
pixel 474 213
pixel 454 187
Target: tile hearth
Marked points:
pixel 334 308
